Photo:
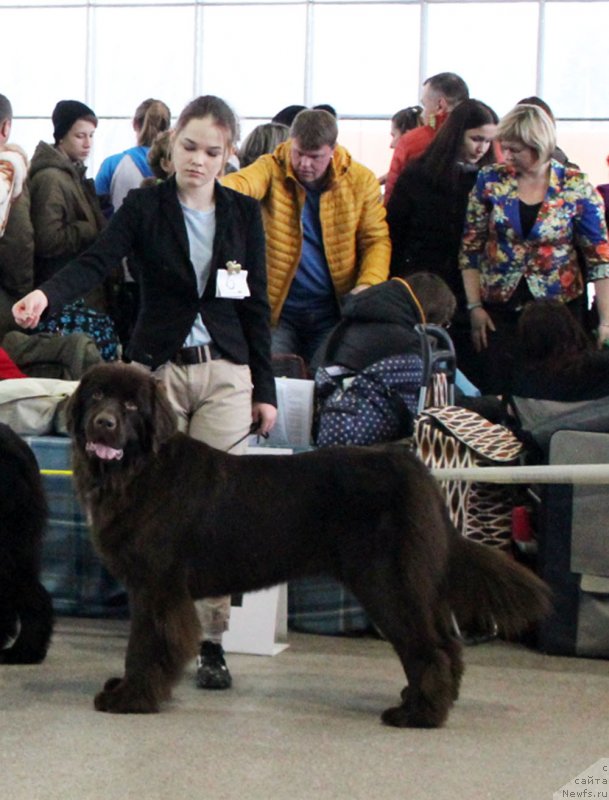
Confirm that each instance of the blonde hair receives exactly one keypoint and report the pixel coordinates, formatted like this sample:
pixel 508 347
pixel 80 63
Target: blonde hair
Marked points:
pixel 531 126
pixel 263 139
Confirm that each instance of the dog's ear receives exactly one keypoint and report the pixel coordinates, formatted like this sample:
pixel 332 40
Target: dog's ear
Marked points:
pixel 74 412
pixel 164 422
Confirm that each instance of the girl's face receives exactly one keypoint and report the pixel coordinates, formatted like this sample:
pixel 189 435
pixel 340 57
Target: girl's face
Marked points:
pixel 476 142
pixel 78 141
pixel 395 135
pixel 199 153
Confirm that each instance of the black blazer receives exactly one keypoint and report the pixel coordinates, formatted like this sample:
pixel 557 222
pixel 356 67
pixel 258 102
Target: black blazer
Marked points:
pixel 150 225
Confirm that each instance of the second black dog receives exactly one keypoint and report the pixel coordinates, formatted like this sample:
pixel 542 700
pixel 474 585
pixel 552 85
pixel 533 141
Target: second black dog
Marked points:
pixel 26 610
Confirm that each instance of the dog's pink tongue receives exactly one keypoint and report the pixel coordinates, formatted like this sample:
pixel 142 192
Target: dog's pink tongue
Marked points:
pixel 103 451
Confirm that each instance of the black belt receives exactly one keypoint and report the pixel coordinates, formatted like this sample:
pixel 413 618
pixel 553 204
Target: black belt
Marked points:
pixel 196 355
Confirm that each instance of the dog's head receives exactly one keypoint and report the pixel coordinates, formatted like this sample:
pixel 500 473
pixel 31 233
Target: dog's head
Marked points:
pixel 119 412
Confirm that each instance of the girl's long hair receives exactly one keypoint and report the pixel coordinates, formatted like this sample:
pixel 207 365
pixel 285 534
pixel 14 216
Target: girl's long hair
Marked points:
pixel 440 161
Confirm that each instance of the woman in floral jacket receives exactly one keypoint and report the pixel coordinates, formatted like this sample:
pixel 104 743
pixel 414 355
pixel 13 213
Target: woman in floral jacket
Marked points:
pixel 534 228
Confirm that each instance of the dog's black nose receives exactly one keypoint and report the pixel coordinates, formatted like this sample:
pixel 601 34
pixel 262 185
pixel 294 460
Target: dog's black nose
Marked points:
pixel 105 421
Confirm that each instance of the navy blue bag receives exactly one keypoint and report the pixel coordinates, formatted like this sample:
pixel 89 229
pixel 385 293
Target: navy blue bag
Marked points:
pixel 376 405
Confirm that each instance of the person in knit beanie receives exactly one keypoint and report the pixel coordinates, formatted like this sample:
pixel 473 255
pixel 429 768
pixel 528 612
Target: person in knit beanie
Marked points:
pixel 66 113
pixel 65 211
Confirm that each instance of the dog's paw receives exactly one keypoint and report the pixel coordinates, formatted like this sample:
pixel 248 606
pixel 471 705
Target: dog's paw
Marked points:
pixel 112 683
pixel 117 697
pixel 404 717
pixel 397 717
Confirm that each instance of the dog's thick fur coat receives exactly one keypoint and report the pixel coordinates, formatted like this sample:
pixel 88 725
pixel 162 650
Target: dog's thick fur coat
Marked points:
pixel 26 609
pixel 176 520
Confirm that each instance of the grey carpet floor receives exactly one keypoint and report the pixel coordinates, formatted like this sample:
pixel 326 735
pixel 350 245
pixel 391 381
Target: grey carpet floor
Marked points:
pixel 303 725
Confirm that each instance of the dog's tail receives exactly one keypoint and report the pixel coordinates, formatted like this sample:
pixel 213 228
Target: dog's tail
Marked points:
pixel 486 587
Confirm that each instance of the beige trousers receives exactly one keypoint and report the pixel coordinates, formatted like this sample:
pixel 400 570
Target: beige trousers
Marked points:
pixel 213 402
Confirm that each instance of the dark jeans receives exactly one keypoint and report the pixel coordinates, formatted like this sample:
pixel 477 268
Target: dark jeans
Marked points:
pixel 303 332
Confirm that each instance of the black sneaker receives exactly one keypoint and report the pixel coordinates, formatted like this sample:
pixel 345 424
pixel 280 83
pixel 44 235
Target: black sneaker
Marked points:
pixel 212 672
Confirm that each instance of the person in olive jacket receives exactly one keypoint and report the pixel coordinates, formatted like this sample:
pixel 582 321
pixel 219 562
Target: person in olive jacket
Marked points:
pixel 65 211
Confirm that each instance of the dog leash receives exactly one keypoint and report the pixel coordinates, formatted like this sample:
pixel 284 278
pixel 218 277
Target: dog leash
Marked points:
pixel 252 429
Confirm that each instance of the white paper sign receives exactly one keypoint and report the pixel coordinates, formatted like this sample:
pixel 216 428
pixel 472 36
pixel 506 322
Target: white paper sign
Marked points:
pixel 262 618
pixel 232 285
pixel 259 625
pixel 294 415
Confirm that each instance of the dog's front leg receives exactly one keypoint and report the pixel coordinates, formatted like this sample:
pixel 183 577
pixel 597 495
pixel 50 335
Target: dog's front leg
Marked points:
pixel 164 636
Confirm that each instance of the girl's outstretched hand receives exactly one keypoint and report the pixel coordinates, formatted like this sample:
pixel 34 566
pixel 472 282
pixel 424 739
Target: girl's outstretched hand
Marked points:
pixel 28 310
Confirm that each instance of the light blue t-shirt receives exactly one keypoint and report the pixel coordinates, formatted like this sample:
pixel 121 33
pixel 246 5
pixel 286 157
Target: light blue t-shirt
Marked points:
pixel 201 228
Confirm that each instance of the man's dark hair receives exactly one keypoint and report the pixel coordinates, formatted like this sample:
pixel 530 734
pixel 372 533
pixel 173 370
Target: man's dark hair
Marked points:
pixel 314 128
pixel 6 109
pixel 287 115
pixel 537 101
pixel 451 86
pixel 326 107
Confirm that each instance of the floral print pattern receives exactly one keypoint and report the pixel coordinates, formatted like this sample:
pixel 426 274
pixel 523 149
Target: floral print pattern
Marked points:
pixel 571 218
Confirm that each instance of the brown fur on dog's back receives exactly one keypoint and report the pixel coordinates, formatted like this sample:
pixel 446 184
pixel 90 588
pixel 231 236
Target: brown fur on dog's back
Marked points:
pixel 175 520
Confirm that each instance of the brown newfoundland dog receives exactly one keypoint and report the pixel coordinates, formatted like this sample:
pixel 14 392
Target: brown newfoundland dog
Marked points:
pixel 176 520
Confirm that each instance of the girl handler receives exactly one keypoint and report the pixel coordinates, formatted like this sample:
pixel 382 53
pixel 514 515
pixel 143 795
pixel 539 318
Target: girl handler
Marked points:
pixel 203 322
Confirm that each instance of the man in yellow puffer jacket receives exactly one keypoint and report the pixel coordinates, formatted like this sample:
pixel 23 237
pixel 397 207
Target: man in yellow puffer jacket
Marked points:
pixel 325 229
